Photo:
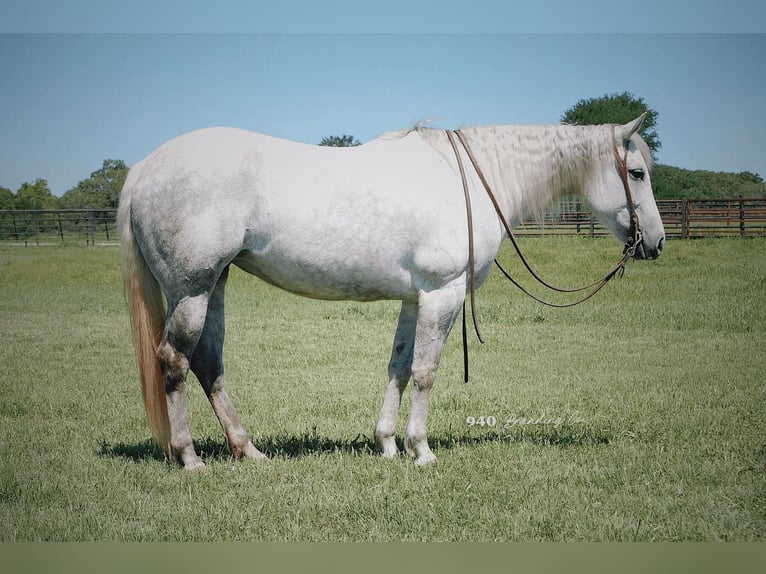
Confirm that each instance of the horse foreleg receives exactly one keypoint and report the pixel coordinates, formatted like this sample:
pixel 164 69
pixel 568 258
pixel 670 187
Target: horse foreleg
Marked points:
pixel 399 373
pixel 207 364
pixel 437 311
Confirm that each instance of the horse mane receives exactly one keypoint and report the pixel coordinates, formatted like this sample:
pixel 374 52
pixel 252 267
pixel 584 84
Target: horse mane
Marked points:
pixel 419 126
pixel 532 166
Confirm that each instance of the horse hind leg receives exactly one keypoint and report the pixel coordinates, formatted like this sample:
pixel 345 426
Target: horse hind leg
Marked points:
pixel 186 319
pixel 207 365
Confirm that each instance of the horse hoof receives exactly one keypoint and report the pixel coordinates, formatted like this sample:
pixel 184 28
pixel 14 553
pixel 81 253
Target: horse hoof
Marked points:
pixel 388 447
pixel 253 453
pixel 194 467
pixel 426 459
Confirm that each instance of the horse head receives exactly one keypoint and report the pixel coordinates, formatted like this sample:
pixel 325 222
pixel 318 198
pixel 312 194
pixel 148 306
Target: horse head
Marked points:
pixel 620 192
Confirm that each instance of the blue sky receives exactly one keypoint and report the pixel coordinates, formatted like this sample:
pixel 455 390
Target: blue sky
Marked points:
pixel 70 98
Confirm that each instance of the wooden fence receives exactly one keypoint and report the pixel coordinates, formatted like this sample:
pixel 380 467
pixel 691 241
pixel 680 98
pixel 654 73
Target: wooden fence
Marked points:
pixel 683 218
pixel 695 218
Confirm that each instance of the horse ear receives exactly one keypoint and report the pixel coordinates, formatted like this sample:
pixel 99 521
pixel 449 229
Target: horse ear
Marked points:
pixel 632 127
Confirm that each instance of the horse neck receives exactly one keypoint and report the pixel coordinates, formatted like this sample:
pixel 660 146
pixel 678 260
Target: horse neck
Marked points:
pixel 530 167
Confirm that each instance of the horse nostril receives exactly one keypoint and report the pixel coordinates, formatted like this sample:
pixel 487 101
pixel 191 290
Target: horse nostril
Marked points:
pixel 660 245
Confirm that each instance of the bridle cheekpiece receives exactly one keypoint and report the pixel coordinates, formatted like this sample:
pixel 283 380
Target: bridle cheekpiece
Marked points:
pixel 634 235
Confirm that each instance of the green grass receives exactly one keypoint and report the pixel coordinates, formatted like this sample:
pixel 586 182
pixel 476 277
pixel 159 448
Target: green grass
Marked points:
pixel 659 382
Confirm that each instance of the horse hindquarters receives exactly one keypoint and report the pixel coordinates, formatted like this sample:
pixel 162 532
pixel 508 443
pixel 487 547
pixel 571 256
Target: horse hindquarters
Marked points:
pixel 168 343
pixel 164 341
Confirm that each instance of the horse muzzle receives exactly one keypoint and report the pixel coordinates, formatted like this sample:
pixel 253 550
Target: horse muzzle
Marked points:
pixel 645 250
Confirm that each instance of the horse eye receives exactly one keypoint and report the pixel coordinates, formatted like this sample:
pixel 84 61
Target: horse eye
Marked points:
pixel 637 174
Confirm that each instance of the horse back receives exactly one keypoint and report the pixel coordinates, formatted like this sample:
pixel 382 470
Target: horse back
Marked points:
pixel 370 222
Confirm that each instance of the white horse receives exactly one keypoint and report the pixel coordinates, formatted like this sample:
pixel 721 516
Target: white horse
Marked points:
pixel 385 220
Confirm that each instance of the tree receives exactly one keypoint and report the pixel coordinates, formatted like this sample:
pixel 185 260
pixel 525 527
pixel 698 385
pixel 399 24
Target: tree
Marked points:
pixel 676 183
pixel 7 198
pixel 35 195
pixel 100 190
pixel 340 141
pixel 615 109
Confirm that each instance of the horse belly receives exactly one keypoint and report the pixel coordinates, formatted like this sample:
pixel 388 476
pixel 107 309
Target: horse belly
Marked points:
pixel 330 276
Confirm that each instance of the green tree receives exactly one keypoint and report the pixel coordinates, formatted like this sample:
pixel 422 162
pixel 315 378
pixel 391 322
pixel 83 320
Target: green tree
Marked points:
pixel 35 195
pixel 340 141
pixel 101 190
pixel 7 198
pixel 615 109
pixel 676 183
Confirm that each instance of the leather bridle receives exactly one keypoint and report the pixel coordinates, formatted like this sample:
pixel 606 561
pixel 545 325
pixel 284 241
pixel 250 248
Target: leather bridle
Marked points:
pixel 629 250
pixel 634 237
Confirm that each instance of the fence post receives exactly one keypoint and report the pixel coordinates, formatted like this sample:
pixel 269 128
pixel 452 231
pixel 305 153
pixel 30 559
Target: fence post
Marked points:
pixel 741 216
pixel 685 218
pixel 577 215
pixel 89 229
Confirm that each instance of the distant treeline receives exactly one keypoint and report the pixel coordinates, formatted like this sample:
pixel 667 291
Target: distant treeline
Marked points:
pixel 675 183
pixel 101 190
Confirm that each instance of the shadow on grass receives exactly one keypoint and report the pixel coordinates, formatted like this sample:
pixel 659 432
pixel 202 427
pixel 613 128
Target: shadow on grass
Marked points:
pixel 565 436
pixel 207 448
pixel 211 449
pixel 311 443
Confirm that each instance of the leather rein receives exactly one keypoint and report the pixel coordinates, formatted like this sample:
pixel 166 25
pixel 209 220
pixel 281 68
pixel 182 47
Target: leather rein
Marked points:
pixel 629 250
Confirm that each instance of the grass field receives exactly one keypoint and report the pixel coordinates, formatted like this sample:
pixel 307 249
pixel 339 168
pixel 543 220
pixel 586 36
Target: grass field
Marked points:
pixel 637 416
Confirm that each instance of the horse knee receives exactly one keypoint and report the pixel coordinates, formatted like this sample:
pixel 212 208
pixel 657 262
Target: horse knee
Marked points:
pixel 423 377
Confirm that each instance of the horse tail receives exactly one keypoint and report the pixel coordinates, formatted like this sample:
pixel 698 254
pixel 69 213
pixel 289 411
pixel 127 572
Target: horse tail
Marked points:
pixel 147 318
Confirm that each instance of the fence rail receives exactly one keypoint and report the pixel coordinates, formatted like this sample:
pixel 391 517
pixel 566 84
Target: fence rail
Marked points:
pixel 56 226
pixel 683 218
